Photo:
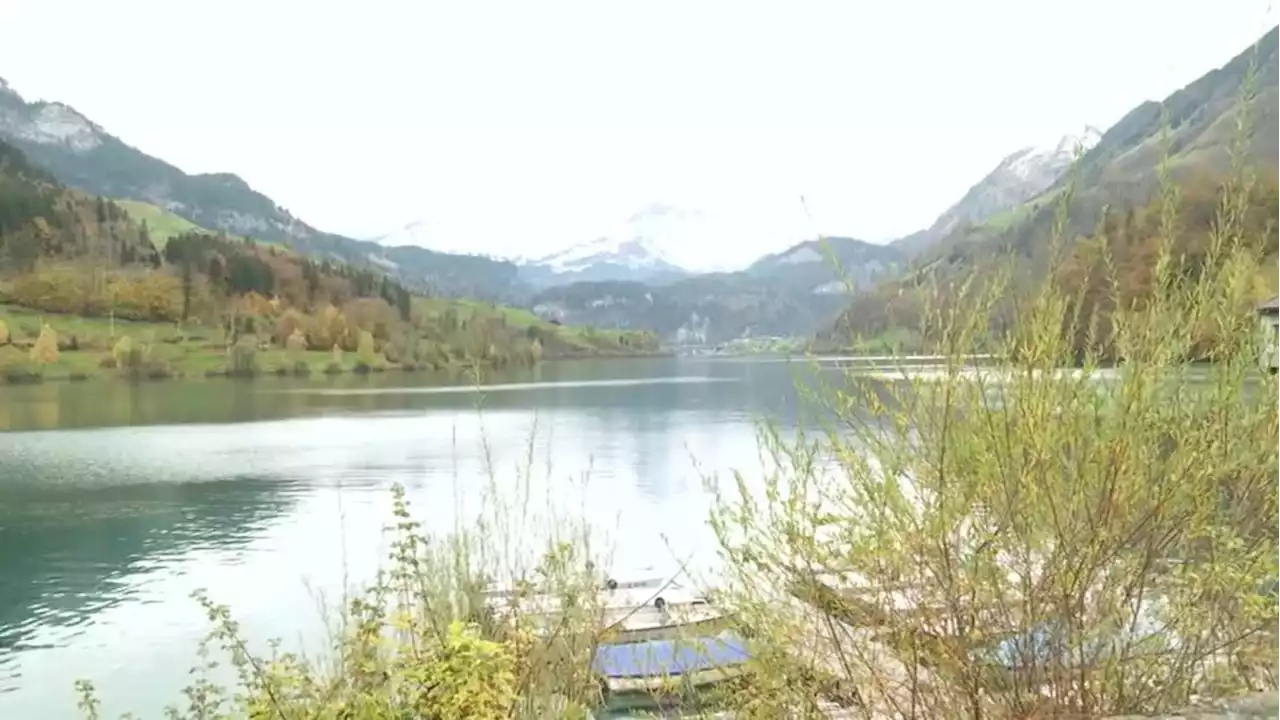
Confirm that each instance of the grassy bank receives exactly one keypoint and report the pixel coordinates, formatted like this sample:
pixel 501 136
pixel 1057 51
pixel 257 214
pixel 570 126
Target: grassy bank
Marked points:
pixel 88 347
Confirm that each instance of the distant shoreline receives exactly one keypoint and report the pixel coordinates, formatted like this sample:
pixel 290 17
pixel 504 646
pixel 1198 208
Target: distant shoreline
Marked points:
pixel 314 370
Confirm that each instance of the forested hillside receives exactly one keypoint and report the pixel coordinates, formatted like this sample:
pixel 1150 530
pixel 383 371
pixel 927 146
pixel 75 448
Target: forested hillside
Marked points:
pixel 82 155
pixel 84 289
pixel 39 218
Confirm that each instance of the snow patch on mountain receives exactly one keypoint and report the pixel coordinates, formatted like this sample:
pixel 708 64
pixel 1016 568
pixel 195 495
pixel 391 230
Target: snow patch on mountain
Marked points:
pixel 636 253
pixel 1018 178
pixel 426 234
pixel 639 244
pixel 1031 162
pixel 658 236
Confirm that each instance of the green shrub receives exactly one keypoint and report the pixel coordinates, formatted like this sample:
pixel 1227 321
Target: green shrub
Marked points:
pixel 242 359
pixel 22 372
pixel 301 368
pixel 365 350
pixel 120 351
pixel 157 370
pixel 419 642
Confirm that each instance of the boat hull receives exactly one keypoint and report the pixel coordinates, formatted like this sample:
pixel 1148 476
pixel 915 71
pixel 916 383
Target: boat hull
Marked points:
pixel 663 672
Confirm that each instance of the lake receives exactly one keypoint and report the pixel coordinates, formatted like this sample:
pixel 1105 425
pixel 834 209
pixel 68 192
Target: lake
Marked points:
pixel 118 500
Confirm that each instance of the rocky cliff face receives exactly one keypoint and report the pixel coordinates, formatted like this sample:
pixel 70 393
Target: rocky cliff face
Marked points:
pixel 83 155
pixel 45 123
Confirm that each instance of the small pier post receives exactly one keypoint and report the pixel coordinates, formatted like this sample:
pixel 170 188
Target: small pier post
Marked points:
pixel 1269 332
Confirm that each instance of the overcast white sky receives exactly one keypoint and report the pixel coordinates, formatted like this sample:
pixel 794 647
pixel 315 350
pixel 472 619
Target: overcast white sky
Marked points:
pixel 525 127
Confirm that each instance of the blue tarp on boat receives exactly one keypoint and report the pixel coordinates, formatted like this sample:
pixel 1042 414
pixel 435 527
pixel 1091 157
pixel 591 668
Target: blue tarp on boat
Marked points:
pixel 657 658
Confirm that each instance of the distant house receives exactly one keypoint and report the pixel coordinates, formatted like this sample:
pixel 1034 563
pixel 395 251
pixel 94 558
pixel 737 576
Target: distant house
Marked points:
pixel 1269 315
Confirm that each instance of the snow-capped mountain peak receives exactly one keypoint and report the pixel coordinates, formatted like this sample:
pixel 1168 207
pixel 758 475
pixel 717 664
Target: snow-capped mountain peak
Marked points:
pixel 646 247
pixel 652 238
pixel 1018 178
pixel 1052 159
pixel 1083 140
pixel 426 234
pixel 635 252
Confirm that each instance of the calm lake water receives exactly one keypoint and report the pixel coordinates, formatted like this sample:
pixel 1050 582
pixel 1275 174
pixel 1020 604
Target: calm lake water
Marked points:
pixel 117 500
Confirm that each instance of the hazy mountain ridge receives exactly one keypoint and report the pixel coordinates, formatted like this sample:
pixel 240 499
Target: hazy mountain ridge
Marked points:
pixel 1018 178
pixel 80 153
pixel 1197 125
pixel 1112 182
pixel 787 294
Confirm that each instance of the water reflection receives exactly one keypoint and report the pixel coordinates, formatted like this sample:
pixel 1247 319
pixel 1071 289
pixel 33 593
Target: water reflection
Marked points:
pixel 270 493
pixel 69 552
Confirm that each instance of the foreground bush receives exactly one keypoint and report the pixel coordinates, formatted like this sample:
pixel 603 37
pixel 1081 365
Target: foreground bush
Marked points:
pixel 1017 539
pixel 420 642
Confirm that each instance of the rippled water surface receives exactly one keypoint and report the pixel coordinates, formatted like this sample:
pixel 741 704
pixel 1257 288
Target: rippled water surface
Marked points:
pixel 118 501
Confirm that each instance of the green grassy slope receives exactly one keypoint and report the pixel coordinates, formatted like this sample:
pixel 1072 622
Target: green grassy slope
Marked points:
pixel 161 224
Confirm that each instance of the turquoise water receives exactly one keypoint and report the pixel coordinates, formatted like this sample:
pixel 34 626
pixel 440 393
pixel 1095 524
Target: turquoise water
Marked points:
pixel 117 501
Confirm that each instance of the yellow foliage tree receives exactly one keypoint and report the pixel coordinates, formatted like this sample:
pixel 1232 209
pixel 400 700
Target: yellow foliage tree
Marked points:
pixel 121 350
pixel 337 355
pixel 59 288
pixel 365 351
pixel 296 344
pixel 329 329
pixel 4 333
pixel 254 305
pixel 291 322
pixel 148 296
pixel 45 351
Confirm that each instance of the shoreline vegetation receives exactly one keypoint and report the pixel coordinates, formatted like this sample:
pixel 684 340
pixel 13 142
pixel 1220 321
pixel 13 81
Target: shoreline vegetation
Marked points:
pixel 52 327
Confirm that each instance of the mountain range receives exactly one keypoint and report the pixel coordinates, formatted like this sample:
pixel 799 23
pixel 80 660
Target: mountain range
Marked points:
pixel 791 293
pixel 805 288
pixel 625 279
pixel 628 278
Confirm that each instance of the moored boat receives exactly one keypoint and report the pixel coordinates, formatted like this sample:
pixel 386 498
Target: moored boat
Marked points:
pixel 495 592
pixel 654 673
pixel 662 619
pixel 631 612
